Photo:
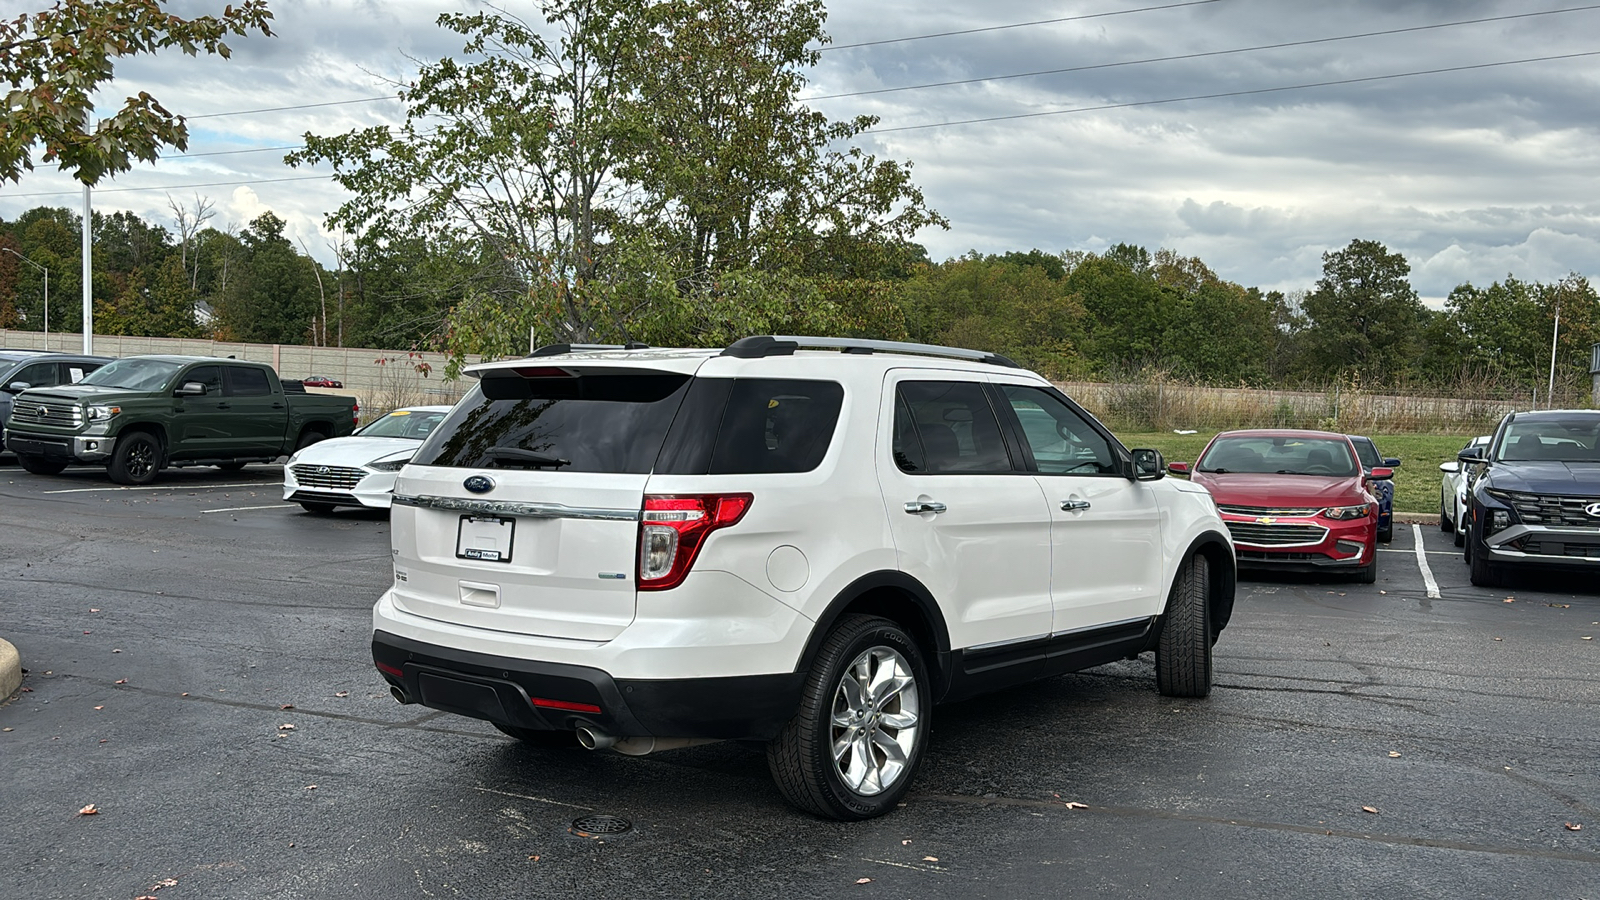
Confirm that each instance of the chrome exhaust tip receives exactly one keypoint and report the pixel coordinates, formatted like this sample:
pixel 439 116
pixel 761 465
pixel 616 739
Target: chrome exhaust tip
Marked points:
pixel 595 740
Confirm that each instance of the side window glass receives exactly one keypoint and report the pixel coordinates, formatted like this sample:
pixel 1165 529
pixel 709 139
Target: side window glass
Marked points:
pixel 776 425
pixel 1062 441
pixel 38 375
pixel 210 376
pixel 956 427
pixel 907 449
pixel 76 371
pixel 248 382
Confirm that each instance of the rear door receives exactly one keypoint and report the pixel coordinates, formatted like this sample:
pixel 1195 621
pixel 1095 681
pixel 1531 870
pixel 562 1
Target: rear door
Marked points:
pixel 258 413
pixel 520 512
pixel 969 522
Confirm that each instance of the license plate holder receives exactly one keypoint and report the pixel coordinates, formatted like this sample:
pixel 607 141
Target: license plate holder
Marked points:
pixel 485 538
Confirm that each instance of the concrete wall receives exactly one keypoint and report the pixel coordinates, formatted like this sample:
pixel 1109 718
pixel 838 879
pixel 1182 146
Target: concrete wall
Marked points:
pixel 379 379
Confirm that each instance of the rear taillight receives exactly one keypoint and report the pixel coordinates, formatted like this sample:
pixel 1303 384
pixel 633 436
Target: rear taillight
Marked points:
pixel 355 413
pixel 672 529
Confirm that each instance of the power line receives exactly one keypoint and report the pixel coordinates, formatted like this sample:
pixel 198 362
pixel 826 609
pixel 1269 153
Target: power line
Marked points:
pixel 1270 90
pixel 1209 53
pixel 249 112
pixel 175 187
pixel 923 37
pixel 232 152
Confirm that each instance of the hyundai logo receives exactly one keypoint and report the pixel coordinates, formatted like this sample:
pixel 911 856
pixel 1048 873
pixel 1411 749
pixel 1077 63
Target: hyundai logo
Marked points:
pixel 479 484
pixel 1593 509
pixel 323 470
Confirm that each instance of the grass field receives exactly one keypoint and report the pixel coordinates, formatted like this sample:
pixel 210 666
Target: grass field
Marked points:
pixel 1416 482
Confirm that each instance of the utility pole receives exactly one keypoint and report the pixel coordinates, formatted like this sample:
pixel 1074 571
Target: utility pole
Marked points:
pixel 1550 392
pixel 88 275
pixel 46 291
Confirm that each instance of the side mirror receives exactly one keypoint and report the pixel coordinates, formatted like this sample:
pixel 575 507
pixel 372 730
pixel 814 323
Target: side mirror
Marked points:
pixel 1381 473
pixel 1178 468
pixel 1148 465
pixel 1450 467
pixel 1392 462
pixel 17 387
pixel 1475 455
pixel 190 389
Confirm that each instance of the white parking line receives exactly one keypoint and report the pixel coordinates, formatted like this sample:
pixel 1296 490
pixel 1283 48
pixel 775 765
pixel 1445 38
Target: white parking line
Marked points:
pixel 1422 563
pixel 243 508
pixel 169 487
pixel 1456 553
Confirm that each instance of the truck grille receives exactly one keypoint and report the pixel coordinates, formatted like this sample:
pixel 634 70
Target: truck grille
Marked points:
pixel 28 411
pixel 1276 535
pixel 1547 509
pixel 339 478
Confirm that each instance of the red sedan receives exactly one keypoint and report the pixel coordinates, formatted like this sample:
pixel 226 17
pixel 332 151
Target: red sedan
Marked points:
pixel 1293 500
pixel 321 381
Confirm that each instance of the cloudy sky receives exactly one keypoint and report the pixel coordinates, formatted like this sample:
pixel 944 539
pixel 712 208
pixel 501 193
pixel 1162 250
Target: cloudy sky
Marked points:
pixel 1254 134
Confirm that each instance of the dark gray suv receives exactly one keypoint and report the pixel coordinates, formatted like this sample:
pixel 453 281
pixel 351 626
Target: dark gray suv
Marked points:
pixel 23 369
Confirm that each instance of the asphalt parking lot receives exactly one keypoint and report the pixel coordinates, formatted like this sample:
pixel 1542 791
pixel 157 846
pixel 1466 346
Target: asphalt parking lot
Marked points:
pixel 199 672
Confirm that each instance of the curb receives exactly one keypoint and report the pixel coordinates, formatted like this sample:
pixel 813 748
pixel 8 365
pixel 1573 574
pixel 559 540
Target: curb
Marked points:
pixel 10 670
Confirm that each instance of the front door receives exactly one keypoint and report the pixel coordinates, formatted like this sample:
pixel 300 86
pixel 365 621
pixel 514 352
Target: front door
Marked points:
pixel 1105 529
pixel 968 522
pixel 200 424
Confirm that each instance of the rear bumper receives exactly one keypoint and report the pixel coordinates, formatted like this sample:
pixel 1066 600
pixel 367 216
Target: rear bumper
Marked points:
pixel 558 696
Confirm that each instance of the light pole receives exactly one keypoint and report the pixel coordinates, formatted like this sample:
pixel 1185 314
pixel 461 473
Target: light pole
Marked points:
pixel 46 291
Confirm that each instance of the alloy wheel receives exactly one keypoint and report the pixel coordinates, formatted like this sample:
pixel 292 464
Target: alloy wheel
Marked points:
pixel 875 719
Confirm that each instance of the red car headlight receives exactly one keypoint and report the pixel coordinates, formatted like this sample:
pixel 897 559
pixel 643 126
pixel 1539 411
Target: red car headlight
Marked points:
pixel 1347 512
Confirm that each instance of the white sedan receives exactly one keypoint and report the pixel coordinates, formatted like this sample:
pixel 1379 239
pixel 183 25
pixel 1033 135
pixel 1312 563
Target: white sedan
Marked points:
pixel 1453 491
pixel 359 470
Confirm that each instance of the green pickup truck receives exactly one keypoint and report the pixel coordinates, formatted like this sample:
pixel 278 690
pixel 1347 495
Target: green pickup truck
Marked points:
pixel 140 414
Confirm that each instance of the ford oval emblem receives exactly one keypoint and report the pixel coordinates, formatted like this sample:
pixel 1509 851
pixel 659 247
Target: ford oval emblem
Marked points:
pixel 479 484
pixel 1593 509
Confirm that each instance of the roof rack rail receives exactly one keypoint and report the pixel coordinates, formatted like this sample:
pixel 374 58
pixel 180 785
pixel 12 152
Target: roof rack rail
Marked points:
pixel 762 345
pixel 559 349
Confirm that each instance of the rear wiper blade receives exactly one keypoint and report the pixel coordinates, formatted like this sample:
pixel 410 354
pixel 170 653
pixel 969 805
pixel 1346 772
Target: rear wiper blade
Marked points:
pixel 526 458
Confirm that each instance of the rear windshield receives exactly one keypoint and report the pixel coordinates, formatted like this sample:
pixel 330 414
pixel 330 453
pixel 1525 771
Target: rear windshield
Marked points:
pixel 596 423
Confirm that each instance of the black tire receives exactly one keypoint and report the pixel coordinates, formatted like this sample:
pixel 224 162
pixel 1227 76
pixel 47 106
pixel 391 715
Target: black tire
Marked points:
pixel 1461 538
pixel 834 709
pixel 309 438
pixel 1445 525
pixel 38 465
pixel 230 466
pixel 1368 574
pixel 1386 535
pixel 321 509
pixel 543 740
pixel 1481 573
pixel 1183 652
pixel 137 459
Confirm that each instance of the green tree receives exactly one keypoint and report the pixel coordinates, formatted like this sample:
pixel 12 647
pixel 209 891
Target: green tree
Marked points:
pixel 1503 328
pixel 648 172
pixel 1363 317
pixel 274 297
pixel 56 60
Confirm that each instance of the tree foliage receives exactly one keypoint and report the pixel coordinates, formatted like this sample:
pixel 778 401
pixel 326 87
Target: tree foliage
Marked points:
pixel 55 60
pixel 1363 315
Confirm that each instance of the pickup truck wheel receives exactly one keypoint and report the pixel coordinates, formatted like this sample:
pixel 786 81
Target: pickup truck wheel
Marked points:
pixel 1183 652
pixel 230 466
pixel 137 459
pixel 321 509
pixel 38 465
pixel 853 746
pixel 544 740
pixel 309 438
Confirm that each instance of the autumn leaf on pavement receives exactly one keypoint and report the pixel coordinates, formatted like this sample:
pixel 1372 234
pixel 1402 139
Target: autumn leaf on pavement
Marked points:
pixel 90 810
pixel 1370 809
pixel 1073 804
pixel 863 881
pixel 287 706
pixel 1574 826
pixel 122 681
pixel 342 694
pixel 1394 754
pixel 286 727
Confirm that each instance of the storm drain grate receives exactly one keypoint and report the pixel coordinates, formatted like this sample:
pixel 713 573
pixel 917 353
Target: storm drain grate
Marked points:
pixel 600 825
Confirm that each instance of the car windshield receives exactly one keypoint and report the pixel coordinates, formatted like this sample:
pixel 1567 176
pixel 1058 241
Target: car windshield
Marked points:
pixel 405 423
pixel 1279 456
pixel 134 374
pixel 1565 439
pixel 1367 451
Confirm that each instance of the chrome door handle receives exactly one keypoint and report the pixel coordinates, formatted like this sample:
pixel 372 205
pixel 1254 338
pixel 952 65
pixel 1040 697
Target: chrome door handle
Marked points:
pixel 917 507
pixel 1074 505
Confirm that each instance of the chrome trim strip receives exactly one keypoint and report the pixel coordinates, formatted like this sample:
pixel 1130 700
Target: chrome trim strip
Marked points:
pixel 1055 634
pixel 513 508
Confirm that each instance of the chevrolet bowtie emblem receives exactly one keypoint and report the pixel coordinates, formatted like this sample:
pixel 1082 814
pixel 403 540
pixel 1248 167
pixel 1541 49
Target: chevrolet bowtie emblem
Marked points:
pixel 1265 520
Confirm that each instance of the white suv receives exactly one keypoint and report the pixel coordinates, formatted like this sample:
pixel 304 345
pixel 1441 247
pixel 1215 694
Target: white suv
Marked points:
pixel 803 541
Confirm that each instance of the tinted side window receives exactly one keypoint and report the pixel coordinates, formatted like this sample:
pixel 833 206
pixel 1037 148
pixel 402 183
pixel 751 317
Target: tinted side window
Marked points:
pixel 955 425
pixel 210 376
pixel 38 375
pixel 1062 442
pixel 248 382
pixel 596 423
pixel 776 425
